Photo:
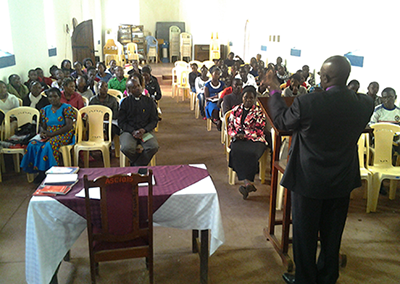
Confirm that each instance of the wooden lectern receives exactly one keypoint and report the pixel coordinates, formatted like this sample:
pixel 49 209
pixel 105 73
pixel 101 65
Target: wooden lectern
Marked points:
pixel 281 246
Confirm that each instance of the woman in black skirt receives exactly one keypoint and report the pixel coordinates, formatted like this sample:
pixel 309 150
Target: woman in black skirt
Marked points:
pixel 246 128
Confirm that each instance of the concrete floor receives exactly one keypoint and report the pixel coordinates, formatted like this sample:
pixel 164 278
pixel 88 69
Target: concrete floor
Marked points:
pixel 370 241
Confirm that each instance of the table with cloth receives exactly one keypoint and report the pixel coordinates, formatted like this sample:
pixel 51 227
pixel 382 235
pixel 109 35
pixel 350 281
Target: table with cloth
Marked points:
pixel 184 197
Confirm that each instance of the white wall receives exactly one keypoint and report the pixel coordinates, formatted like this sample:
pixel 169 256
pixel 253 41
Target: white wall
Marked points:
pixel 28 28
pixel 320 28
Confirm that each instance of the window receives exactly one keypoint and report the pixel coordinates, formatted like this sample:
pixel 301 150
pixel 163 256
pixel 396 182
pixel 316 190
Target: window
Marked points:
pixel 50 27
pixel 7 57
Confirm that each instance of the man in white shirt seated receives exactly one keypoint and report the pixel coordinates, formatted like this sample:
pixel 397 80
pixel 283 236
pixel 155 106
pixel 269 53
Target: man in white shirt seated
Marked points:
pixel 7 101
pixel 387 112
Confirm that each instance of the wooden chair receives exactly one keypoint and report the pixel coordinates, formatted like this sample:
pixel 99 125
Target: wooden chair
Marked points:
pixel 95 117
pixel 119 233
pixel 382 167
pixel 23 115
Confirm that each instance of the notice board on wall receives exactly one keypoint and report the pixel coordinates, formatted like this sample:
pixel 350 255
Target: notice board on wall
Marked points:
pixel 162 29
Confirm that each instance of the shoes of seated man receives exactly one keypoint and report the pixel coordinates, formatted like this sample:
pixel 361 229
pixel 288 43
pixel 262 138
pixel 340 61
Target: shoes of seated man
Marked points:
pixel 289 278
pixel 244 190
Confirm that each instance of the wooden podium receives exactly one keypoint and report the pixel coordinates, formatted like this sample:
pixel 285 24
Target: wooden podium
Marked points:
pixel 281 246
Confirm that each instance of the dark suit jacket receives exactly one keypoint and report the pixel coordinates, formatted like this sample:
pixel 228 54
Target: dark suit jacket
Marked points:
pixel 323 160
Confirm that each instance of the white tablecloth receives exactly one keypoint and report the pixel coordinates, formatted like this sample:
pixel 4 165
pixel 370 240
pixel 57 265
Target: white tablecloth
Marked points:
pixel 52 228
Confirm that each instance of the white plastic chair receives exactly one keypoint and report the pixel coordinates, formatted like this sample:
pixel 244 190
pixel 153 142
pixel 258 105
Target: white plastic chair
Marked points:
pixel 382 167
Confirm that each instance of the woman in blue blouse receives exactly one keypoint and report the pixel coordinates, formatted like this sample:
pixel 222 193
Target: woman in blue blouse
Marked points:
pixel 211 91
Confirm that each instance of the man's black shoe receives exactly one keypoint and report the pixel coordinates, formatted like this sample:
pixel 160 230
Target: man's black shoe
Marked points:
pixel 289 278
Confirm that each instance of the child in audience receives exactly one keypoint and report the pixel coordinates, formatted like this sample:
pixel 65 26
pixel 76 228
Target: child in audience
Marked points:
pixel 193 75
pixel 32 75
pixel 52 71
pixel 229 60
pixel 35 99
pixel 247 79
pixel 113 65
pixel 151 84
pixel 78 70
pixel 119 81
pixel 59 74
pixel 7 101
pixel 82 87
pixel 69 96
pixel 387 112
pixel 87 62
pixel 259 61
pixel 199 84
pixel 353 85
pixel 66 65
pixel 102 73
pixel 92 83
pixel 282 75
pixel 42 78
pixel 211 91
pixel 16 88
pixel 103 98
pixel 373 89
pixel 294 89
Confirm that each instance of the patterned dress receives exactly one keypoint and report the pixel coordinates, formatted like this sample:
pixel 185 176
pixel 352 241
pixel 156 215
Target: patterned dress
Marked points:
pixel 40 156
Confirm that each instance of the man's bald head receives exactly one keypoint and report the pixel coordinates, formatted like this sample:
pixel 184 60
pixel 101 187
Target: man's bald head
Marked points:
pixel 335 71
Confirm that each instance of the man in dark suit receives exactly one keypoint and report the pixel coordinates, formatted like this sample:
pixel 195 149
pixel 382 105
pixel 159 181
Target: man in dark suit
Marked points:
pixel 323 166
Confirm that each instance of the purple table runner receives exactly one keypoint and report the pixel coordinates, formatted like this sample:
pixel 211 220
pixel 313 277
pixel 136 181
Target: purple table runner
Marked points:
pixel 168 180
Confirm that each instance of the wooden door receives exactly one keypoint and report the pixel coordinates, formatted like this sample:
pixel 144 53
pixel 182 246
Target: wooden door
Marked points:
pixel 83 41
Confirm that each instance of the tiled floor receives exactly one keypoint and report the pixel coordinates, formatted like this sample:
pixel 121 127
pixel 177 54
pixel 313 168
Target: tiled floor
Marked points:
pixel 370 241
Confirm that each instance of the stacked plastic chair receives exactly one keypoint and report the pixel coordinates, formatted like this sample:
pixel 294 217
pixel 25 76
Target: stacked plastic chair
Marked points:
pixel 214 47
pixel 186 45
pixel 152 48
pixel 174 33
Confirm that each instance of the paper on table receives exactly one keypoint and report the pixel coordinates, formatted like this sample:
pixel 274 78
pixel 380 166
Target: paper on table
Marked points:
pixel 94 193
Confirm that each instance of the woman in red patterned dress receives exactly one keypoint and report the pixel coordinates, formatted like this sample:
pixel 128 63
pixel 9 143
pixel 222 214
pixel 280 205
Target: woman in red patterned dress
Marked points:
pixel 246 128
